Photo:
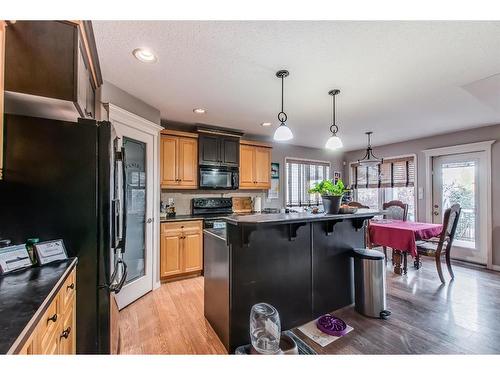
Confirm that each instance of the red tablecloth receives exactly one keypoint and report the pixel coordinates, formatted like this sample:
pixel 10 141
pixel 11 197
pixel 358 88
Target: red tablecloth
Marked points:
pixel 402 235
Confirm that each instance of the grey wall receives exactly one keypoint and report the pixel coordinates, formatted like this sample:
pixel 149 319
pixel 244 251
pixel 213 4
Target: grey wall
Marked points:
pixel 467 136
pixel 109 93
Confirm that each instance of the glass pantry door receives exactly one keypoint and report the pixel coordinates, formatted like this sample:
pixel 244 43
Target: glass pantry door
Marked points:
pixel 137 212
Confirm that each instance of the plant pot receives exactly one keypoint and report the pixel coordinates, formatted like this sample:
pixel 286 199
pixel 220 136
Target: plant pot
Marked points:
pixel 331 204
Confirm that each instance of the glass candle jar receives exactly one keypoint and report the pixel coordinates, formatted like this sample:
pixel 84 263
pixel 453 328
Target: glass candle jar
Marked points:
pixel 265 328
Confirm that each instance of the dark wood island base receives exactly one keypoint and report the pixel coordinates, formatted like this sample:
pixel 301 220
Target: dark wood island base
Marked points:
pixel 299 263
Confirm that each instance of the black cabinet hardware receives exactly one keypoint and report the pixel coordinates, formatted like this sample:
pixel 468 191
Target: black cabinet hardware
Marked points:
pixel 65 333
pixel 53 318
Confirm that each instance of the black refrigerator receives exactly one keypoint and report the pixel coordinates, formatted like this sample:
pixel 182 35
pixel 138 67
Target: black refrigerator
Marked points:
pixel 59 183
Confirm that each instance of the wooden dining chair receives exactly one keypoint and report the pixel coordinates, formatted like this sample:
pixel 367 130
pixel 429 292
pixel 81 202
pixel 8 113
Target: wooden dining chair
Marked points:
pixel 357 205
pixel 442 245
pixel 396 210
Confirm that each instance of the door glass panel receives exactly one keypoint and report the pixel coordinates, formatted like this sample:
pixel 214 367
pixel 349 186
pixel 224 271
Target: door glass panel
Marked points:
pixel 459 187
pixel 135 171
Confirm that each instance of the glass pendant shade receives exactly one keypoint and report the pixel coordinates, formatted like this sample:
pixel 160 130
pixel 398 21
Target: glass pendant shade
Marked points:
pixel 334 143
pixel 283 133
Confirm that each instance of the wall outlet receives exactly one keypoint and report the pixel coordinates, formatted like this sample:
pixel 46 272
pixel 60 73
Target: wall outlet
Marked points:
pixel 420 193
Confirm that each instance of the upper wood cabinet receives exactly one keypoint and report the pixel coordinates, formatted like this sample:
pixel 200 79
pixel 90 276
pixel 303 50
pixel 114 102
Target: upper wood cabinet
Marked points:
pixel 218 150
pixel 48 65
pixel 179 160
pixel 255 165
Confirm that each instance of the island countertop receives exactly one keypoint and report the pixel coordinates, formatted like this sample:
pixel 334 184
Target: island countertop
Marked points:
pixel 298 217
pixel 24 297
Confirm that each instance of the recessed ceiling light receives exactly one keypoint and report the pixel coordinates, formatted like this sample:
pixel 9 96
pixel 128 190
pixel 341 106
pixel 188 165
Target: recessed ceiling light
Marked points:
pixel 199 111
pixel 144 55
pixel 266 124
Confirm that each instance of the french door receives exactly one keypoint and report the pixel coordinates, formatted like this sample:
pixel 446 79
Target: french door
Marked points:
pixel 135 179
pixel 462 179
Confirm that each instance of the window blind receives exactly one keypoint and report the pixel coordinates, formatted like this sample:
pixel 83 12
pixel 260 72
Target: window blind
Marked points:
pixel 398 172
pixel 300 177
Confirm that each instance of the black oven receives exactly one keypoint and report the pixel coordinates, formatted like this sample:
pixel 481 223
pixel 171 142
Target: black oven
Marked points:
pixel 218 177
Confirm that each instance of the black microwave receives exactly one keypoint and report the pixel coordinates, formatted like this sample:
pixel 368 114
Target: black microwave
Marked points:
pixel 219 177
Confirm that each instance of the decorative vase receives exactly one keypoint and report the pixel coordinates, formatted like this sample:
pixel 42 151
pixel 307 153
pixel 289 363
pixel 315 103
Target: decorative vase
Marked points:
pixel 331 204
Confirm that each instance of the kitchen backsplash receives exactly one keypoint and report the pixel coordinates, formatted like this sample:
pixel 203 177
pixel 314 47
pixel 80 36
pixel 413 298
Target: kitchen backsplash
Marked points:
pixel 182 200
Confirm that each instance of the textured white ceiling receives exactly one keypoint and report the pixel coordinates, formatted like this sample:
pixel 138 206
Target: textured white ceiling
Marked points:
pixel 402 80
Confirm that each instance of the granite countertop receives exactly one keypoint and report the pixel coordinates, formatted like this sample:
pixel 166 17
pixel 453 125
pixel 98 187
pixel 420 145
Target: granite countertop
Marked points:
pixel 217 232
pixel 24 297
pixel 297 217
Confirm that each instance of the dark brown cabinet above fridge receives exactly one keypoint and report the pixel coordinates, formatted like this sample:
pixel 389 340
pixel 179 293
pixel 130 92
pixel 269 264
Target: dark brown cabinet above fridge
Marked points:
pixel 219 150
pixel 51 69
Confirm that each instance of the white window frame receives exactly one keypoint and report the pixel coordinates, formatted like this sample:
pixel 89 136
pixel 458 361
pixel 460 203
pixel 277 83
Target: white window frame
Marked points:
pixel 381 193
pixel 287 158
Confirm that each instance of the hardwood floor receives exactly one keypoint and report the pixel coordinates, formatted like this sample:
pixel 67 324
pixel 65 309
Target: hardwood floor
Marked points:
pixel 428 317
pixel 169 320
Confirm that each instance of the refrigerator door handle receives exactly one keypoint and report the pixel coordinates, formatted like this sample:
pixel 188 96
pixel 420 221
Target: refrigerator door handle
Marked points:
pixel 120 241
pixel 124 192
pixel 116 288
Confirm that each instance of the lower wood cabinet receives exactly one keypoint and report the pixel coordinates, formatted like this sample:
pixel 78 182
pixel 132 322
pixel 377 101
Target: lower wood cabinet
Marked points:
pixel 181 248
pixel 56 331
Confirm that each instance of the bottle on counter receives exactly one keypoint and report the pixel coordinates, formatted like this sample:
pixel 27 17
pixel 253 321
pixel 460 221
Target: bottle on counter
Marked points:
pixel 171 207
pixel 30 246
pixel 163 209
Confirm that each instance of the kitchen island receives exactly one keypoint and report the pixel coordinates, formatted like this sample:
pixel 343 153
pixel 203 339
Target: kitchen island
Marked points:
pixel 299 263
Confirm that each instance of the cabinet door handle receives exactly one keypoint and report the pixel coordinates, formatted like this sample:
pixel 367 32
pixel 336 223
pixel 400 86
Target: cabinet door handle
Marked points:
pixel 71 286
pixel 65 333
pixel 53 318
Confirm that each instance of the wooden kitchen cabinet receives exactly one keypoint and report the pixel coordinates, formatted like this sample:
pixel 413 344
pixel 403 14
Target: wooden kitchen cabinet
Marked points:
pixel 218 150
pixel 181 248
pixel 255 165
pixel 55 333
pixel 51 69
pixel 179 160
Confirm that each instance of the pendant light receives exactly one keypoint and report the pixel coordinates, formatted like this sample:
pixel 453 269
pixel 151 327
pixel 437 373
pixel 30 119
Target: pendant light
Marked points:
pixel 370 159
pixel 334 142
pixel 283 133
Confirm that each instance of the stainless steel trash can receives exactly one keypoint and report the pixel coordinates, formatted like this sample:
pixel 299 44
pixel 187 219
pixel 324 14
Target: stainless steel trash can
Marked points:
pixel 369 283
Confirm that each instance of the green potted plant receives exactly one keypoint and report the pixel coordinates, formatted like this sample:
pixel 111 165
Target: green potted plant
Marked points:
pixel 330 193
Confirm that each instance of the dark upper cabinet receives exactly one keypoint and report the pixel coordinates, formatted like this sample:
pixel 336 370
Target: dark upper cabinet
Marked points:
pixel 208 149
pixel 219 150
pixel 230 151
pixel 48 59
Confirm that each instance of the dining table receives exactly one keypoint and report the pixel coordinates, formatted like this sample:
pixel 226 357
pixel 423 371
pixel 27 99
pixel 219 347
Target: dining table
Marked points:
pixel 402 237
